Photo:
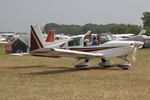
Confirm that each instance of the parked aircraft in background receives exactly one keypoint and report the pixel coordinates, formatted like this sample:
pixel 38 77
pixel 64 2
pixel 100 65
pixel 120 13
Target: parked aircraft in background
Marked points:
pixel 61 37
pixel 131 37
pixel 146 41
pixel 79 47
pixel 3 40
pixel 7 37
pixel 50 36
pixel 122 36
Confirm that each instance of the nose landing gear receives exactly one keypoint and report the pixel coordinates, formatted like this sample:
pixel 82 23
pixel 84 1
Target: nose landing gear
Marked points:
pixel 125 66
pixel 106 63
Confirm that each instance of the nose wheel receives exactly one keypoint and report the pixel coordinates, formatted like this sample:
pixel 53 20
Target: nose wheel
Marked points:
pixel 125 66
pixel 107 63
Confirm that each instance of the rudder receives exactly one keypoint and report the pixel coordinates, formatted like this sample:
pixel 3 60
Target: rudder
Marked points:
pixel 50 37
pixel 36 43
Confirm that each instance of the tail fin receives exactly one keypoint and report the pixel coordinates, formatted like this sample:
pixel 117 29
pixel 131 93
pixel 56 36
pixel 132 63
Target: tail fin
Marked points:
pixel 37 40
pixel 143 31
pixel 50 37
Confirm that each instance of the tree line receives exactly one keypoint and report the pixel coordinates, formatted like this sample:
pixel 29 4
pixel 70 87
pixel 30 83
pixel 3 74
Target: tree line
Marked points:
pixel 95 28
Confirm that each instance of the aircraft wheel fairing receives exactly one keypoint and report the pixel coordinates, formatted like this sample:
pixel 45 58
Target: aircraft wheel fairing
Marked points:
pixel 83 65
pixel 124 66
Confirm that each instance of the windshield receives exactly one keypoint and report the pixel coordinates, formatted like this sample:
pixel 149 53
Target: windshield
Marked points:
pixel 105 37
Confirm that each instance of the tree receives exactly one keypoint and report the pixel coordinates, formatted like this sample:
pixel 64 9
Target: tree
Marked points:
pixel 146 19
pixel 96 29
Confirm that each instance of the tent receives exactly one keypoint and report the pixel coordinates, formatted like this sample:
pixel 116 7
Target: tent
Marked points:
pixel 20 45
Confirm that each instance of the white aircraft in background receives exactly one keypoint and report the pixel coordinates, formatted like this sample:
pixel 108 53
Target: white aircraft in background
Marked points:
pixel 78 47
pixel 131 37
pixel 146 41
pixel 3 40
pixel 122 36
pixel 7 37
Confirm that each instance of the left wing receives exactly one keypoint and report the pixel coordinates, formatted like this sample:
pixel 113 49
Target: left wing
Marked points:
pixel 54 52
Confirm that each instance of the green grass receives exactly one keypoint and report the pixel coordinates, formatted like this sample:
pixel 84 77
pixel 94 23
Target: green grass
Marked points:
pixel 35 78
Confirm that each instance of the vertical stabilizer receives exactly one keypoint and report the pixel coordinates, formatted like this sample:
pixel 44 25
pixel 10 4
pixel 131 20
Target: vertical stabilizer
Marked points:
pixel 143 31
pixel 37 40
pixel 50 37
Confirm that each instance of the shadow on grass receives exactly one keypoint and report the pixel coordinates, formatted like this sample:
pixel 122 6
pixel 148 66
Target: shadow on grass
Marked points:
pixel 67 70
pixel 58 70
pixel 35 66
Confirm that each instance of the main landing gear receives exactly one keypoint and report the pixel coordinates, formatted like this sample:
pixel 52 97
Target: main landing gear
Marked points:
pixel 104 63
pixel 83 65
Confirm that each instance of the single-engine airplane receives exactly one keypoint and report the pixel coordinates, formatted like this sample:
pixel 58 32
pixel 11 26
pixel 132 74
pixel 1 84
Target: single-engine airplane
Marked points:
pixel 79 47
pixel 130 37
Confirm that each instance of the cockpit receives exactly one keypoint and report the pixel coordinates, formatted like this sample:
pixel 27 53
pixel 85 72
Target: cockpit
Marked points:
pixel 97 39
pixel 90 40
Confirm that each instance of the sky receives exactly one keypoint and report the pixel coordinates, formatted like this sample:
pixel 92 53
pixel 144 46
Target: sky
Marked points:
pixel 18 15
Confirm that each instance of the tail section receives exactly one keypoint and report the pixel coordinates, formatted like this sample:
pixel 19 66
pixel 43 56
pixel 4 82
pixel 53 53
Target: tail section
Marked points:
pixel 143 31
pixel 37 40
pixel 50 37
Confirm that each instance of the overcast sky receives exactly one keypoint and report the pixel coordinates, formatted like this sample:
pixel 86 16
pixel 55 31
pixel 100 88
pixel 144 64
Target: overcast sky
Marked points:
pixel 18 15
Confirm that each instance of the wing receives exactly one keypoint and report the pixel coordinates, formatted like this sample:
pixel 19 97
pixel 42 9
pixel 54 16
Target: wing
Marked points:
pixel 57 53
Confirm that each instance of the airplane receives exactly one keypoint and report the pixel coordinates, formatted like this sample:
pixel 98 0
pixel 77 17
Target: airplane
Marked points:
pixel 54 37
pixel 146 41
pixel 50 36
pixel 122 36
pixel 131 37
pixel 3 40
pixel 61 37
pixel 79 47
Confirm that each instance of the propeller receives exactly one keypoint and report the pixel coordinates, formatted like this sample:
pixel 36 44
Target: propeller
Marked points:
pixel 134 54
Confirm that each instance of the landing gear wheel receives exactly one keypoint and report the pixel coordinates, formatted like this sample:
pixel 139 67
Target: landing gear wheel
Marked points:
pixel 125 68
pixel 83 65
pixel 105 63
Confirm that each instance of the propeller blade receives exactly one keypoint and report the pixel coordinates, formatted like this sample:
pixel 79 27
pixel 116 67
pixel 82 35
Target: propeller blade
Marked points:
pixel 134 54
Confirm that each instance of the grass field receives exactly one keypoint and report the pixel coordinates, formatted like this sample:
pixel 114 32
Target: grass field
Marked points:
pixel 35 78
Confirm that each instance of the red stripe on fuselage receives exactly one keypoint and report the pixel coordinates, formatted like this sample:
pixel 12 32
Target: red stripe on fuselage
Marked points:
pixel 93 49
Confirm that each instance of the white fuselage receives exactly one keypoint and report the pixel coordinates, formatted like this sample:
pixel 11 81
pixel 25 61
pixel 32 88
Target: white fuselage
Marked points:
pixel 109 49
